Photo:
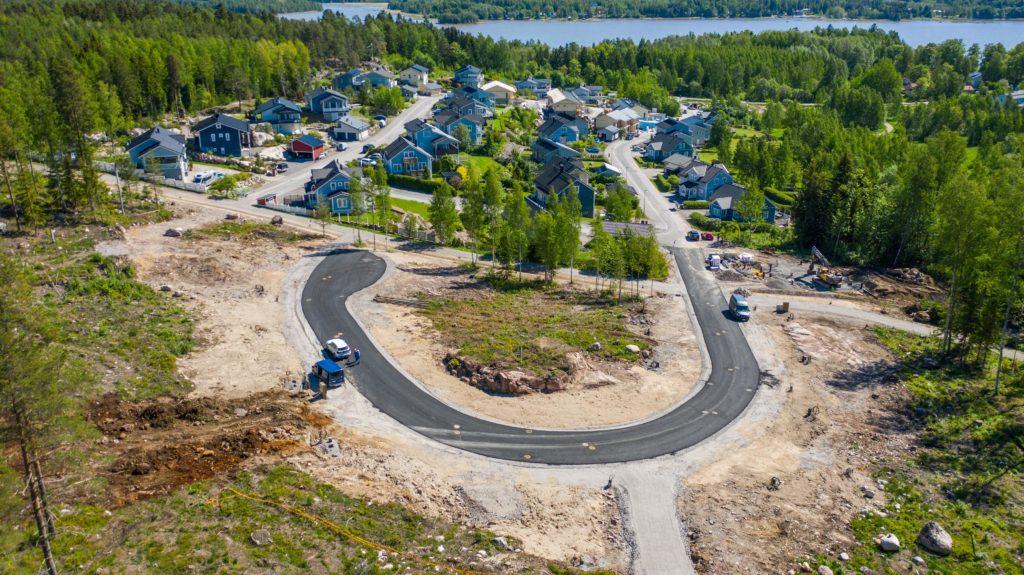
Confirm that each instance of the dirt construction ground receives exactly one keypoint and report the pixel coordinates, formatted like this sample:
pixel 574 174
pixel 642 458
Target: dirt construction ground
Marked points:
pixel 788 492
pixel 631 393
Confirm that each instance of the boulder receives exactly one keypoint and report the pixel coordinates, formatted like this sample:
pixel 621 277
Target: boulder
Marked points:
pixel 596 346
pixel 889 543
pixel 917 560
pixel 173 233
pixel 230 216
pixel 501 543
pixel 935 539
pixel 166 288
pixel 824 570
pixel 277 220
pixel 633 348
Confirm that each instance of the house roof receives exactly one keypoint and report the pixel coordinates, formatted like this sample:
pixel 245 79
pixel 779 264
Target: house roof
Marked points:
pixel 224 120
pixel 678 161
pixel 623 115
pixel 559 173
pixel 352 122
pixel 382 73
pixel 665 141
pixel 311 141
pixel 158 136
pixel 497 84
pixel 275 103
pixel 324 91
pixel 548 145
pixel 727 195
pixel 535 81
pixel 401 143
pixel 556 121
pixel 469 68
pixel 418 68
pixel 329 171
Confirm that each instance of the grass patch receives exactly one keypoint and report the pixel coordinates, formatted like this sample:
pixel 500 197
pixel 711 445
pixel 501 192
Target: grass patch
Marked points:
pixel 206 529
pixel 481 163
pixel 532 325
pixel 967 474
pixel 246 230
pixel 412 206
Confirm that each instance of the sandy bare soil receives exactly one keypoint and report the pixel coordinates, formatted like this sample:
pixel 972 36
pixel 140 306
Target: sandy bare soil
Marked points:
pixel 789 491
pixel 637 392
pixel 232 288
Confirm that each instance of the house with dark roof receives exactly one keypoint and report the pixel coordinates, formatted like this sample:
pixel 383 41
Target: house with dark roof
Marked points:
pixel 725 200
pixel 467 107
pixel 677 163
pixel 381 78
pixel 431 138
pixel 591 95
pixel 415 75
pixel 350 129
pixel 307 146
pixel 282 114
pixel 328 102
pixel 469 76
pixel 564 128
pixel 352 79
pixel 404 157
pixel 544 150
pixel 473 93
pixel 449 120
pixel 331 183
pixel 662 146
pixel 564 176
pixel 700 127
pixel 625 121
pixel 539 86
pixel 161 148
pixel 701 180
pixel 223 135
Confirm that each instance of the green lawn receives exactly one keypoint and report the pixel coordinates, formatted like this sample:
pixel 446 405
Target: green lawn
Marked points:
pixel 412 206
pixel 480 163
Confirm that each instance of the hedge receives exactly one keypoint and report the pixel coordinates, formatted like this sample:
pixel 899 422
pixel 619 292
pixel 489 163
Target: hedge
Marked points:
pixel 784 199
pixel 414 184
pixel 703 222
pixel 696 204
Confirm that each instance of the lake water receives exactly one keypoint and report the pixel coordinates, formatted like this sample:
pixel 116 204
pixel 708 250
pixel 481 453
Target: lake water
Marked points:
pixel 587 32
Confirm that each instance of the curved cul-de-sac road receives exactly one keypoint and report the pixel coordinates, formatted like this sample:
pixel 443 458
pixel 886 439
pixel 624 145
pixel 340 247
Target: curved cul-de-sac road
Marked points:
pixel 730 387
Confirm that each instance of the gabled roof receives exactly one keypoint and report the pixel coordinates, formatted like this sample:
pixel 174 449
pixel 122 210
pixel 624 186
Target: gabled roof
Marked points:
pixel 548 145
pixel 224 120
pixel 330 170
pixel 666 141
pixel 498 84
pixel 417 125
pixel 623 115
pixel 354 123
pixel 382 73
pixel 535 81
pixel 679 161
pixel 418 68
pixel 556 121
pixel 468 91
pixel 727 195
pixel 323 92
pixel 469 68
pixel 559 173
pixel 401 143
pixel 157 136
pixel 311 141
pixel 275 103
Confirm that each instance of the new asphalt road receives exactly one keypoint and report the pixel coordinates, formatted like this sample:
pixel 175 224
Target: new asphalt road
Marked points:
pixel 729 389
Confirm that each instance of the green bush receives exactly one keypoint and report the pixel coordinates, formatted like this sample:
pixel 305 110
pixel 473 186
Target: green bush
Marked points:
pixel 696 204
pixel 416 184
pixel 780 198
pixel 703 222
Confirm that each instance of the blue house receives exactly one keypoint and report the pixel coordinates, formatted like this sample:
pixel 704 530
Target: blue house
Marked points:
pixel 539 86
pixel 591 95
pixel 448 120
pixel 162 147
pixel 563 177
pixel 282 114
pixel 468 107
pixel 544 150
pixel 974 79
pixel 223 135
pixel 329 103
pixel 700 128
pixel 406 158
pixel 353 79
pixel 331 183
pixel 700 180
pixel 725 200
pixel 473 93
pixel 381 78
pixel 563 128
pixel 662 146
pixel 469 76
pixel 431 138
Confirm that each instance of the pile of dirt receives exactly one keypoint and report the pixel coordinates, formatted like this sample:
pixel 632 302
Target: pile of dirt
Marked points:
pixel 160 444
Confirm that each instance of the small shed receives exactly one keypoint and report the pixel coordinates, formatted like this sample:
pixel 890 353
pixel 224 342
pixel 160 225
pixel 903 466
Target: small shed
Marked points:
pixel 308 147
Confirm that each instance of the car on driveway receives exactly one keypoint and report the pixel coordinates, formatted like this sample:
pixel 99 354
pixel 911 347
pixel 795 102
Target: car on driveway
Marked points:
pixel 337 349
pixel 738 307
pixel 707 236
pixel 282 167
pixel 693 236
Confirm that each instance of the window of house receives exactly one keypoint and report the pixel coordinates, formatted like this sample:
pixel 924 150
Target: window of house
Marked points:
pixel 227 136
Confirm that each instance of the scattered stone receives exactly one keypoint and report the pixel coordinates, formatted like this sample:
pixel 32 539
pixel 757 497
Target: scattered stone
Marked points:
pixel 173 233
pixel 824 570
pixel 596 346
pixel 277 221
pixel 917 560
pixel 805 567
pixel 844 556
pixel 633 348
pixel 501 543
pixel 240 412
pixel 774 484
pixel 231 216
pixel 935 539
pixel 166 288
pixel 867 492
pixel 440 548
pixel 889 543
pixel 261 538
pixel 867 570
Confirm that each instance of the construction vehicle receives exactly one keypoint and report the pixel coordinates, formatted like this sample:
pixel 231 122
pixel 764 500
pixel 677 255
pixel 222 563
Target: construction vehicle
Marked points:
pixel 326 373
pixel 824 275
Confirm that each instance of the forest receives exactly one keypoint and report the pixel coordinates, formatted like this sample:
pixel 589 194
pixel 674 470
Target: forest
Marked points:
pixel 461 11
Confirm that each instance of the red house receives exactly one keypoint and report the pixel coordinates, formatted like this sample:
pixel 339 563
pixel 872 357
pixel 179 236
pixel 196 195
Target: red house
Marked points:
pixel 308 147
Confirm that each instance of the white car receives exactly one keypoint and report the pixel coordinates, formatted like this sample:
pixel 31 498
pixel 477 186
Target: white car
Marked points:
pixel 338 349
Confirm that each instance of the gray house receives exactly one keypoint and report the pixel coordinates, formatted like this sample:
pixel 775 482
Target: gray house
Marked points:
pixel 329 103
pixel 350 129
pixel 563 177
pixel 223 135
pixel 282 114
pixel 160 147
pixel 544 150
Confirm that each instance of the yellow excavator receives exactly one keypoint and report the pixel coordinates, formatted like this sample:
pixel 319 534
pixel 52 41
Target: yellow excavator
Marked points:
pixel 824 274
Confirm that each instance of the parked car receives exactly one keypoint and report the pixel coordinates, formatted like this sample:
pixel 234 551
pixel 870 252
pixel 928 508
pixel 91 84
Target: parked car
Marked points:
pixel 380 117
pixel 367 148
pixel 593 150
pixel 337 349
pixel 341 146
pixel 738 307
pixel 282 166
pixel 630 136
pixel 693 236
pixel 367 162
pixel 707 236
